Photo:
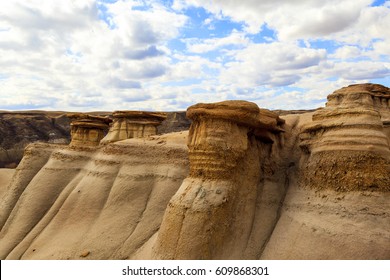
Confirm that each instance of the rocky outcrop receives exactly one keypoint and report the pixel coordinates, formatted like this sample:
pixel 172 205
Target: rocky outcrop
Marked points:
pixel 87 130
pixel 225 155
pixel 133 124
pixel 347 142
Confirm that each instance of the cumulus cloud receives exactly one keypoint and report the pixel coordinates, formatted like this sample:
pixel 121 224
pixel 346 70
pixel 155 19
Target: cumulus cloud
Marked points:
pixel 165 55
pixel 83 46
pixel 205 45
pixel 124 84
pixel 273 64
pixel 140 54
pixel 292 19
pixel 364 70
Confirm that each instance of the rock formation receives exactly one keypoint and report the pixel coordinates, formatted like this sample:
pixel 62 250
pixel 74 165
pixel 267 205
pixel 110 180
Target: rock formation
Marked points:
pixel 108 200
pixel 20 128
pixel 88 130
pixel 201 219
pixel 242 183
pixel 133 124
pixel 348 141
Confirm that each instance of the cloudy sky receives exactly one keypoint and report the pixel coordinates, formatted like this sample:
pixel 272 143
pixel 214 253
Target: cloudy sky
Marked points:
pixel 86 55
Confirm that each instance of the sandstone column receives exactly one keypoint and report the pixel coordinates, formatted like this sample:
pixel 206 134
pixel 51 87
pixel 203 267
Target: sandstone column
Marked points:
pixel 133 124
pixel 204 218
pixel 87 130
pixel 347 143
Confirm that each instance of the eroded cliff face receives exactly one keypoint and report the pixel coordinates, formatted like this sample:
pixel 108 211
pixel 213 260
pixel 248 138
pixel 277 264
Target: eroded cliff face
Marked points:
pixel 243 183
pixel 87 130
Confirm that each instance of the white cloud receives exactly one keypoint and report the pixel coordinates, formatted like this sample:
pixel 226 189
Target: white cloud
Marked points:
pixel 202 46
pixel 347 52
pixel 273 64
pixel 292 19
pixel 56 49
pixel 94 55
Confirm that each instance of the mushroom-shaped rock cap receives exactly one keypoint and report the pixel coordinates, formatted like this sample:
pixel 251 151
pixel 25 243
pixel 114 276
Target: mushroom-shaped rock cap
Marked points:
pixel 242 112
pixel 140 115
pixel 238 111
pixel 86 120
pixel 372 89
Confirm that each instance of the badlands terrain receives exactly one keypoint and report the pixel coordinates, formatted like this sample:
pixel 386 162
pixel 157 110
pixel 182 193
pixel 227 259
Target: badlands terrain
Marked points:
pixel 240 182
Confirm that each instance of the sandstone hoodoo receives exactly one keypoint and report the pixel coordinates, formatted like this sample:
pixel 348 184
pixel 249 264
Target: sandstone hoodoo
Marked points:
pixel 219 133
pixel 348 140
pixel 87 130
pixel 225 161
pixel 133 124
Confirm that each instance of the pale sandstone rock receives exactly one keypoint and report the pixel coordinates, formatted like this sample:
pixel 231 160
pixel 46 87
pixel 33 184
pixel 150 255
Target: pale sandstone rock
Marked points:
pixel 348 140
pixel 201 218
pixel 133 124
pixel 87 130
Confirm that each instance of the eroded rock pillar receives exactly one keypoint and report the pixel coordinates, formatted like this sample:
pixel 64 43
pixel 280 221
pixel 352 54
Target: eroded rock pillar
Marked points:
pixel 133 124
pixel 87 130
pixel 204 218
pixel 347 142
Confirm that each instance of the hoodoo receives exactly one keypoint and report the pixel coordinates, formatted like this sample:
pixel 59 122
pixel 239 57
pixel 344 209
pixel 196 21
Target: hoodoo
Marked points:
pixel 348 142
pixel 224 154
pixel 133 124
pixel 87 130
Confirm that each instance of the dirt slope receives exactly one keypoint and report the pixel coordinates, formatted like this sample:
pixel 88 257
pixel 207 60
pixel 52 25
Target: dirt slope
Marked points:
pixel 106 201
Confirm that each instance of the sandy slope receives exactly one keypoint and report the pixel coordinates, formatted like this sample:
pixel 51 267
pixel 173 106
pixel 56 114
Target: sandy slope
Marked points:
pixel 5 178
pixel 106 202
pixel 331 225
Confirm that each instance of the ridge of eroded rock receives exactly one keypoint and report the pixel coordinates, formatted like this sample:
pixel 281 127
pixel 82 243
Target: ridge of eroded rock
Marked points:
pixel 87 130
pixel 133 124
pixel 226 158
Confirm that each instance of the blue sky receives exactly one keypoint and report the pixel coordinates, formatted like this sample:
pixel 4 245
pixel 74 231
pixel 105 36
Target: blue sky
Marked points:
pixel 166 55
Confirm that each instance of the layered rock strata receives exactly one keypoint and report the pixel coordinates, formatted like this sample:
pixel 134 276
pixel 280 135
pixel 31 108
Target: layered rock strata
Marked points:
pixel 133 124
pixel 206 219
pixel 347 142
pixel 88 130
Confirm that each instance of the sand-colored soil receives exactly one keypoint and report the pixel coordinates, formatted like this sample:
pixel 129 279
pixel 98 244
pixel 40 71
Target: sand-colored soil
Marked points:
pixel 5 178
